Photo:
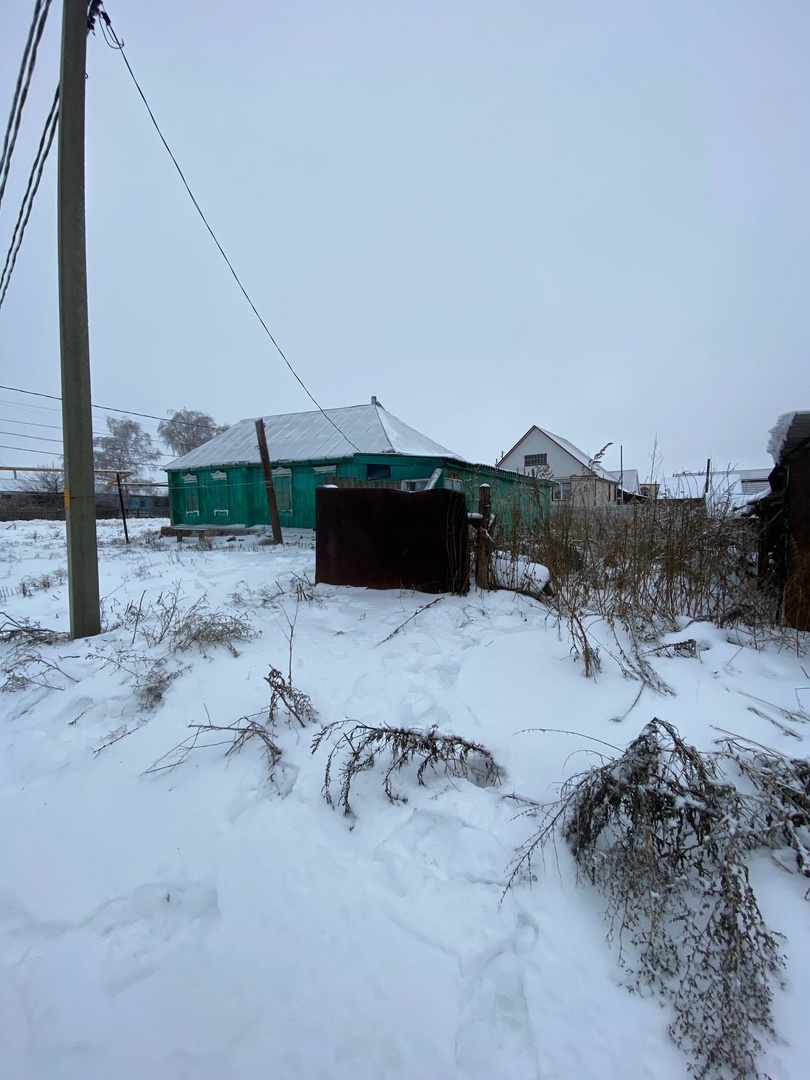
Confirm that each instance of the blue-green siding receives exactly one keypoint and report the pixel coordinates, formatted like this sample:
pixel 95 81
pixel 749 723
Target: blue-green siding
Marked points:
pixel 235 494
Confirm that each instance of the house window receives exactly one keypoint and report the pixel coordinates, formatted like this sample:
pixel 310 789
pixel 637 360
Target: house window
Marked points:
pixel 378 472
pixel 452 483
pixel 220 481
pixel 562 493
pixel 192 494
pixel 282 482
pixel 534 460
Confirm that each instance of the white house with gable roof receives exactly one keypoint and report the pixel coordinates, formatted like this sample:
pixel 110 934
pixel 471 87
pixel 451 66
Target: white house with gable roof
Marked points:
pixel 577 477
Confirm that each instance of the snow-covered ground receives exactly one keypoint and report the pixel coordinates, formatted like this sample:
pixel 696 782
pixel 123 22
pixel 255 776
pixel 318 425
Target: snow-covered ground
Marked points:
pixel 216 922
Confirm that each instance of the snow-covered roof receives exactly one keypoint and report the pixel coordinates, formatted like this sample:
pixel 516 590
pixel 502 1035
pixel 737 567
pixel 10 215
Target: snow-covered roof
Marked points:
pixel 724 487
pixel 10 485
pixel 569 448
pixel 580 455
pixel 790 431
pixel 310 436
pixel 627 480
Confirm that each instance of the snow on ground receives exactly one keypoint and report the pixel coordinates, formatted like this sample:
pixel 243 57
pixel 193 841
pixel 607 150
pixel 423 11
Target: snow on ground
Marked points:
pixel 211 922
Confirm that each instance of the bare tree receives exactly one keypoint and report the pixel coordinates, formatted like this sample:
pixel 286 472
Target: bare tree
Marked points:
pixel 44 482
pixel 185 429
pixel 127 448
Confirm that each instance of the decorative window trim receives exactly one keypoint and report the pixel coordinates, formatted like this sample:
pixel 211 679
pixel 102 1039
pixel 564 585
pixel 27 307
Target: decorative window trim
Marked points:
pixel 281 471
pixel 219 475
pixel 324 470
pixel 190 478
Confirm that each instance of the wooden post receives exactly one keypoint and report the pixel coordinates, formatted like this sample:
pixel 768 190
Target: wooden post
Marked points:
pixel 121 501
pixel 269 487
pixel 484 549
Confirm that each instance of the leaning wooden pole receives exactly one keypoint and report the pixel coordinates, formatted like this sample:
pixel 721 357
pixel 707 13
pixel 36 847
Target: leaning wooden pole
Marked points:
pixel 483 553
pixel 80 497
pixel 269 486
pixel 121 504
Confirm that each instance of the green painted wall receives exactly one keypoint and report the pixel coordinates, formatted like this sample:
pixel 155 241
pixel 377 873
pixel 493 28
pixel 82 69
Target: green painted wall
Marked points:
pixel 235 495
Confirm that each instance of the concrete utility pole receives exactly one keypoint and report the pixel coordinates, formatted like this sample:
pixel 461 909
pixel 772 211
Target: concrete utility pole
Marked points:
pixel 80 498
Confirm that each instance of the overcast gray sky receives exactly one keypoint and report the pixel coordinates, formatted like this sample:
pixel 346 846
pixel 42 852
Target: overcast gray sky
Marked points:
pixel 590 215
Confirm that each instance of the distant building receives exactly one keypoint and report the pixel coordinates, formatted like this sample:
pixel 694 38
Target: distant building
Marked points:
pixel 576 476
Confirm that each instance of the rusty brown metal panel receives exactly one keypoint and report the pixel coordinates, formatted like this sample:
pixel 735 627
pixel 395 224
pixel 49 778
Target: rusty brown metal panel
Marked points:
pixel 383 539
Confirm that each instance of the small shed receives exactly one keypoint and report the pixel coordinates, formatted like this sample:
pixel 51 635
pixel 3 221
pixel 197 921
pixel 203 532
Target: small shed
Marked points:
pixel 785 516
pixel 221 483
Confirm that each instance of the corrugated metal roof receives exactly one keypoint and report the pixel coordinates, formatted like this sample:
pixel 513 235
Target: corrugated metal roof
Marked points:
pixel 627 480
pixel 790 432
pixel 724 487
pixel 309 436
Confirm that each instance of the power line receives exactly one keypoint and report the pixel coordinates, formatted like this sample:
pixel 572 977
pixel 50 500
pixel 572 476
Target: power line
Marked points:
pixel 116 43
pixel 29 195
pixel 28 450
pixel 41 156
pixel 105 408
pixel 29 60
pixel 51 427
pixel 38 438
pixel 29 423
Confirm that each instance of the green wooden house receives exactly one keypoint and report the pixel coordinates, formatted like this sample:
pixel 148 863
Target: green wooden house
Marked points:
pixel 221 482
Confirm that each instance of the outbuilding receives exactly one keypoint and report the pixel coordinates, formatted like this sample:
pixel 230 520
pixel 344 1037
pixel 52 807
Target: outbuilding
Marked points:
pixel 785 516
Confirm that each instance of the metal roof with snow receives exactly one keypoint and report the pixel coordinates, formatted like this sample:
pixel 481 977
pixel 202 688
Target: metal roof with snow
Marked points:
pixel 627 480
pixel 790 433
pixel 310 436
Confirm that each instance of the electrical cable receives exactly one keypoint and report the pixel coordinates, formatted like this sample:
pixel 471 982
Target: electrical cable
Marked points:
pixel 29 60
pixel 31 189
pixel 43 150
pixel 105 408
pixel 28 450
pixel 37 438
pixel 29 423
pixel 118 45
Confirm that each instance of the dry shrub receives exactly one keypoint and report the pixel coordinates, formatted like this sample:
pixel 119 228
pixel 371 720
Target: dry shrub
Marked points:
pixel 283 694
pixel 202 628
pixel 24 665
pixel 167 620
pixel 358 746
pixel 24 632
pixel 41 582
pixel 152 680
pixel 665 840
pixel 782 812
pixel 237 735
pixel 645 566
pixel 649 564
